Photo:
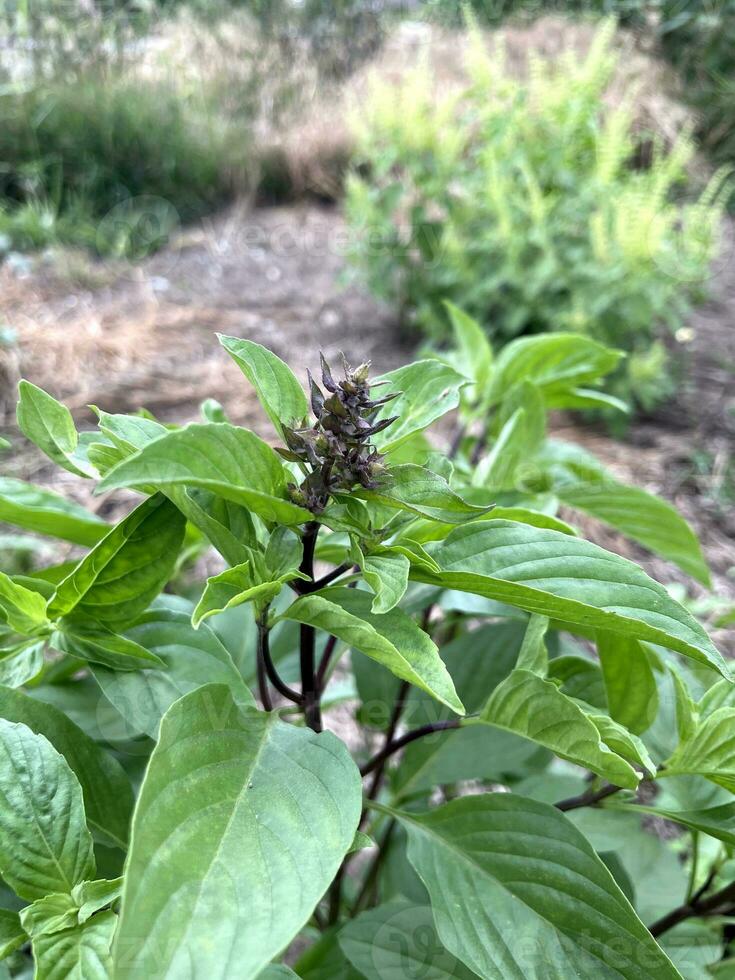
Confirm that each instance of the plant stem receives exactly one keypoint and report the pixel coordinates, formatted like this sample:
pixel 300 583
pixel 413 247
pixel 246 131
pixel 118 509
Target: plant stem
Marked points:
pixel 265 695
pixel 266 662
pixel 695 866
pixel 372 874
pixel 719 903
pixel 309 692
pixel 589 798
pixel 324 662
pixel 378 761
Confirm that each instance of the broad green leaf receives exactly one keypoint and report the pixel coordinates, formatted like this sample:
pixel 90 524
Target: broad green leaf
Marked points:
pixel 567 579
pixel 716 821
pixel 235 586
pixel 710 751
pixel 44 842
pixel 497 469
pixel 498 867
pixel 190 659
pixel 100 645
pixel 282 808
pixel 223 458
pixel 686 709
pixel 12 933
pixel 22 609
pixel 621 741
pixel 417 489
pixel 429 389
pixel 476 354
pixel 91 896
pixel 425 531
pixel 228 526
pixel 108 795
pixel 632 694
pixel 80 953
pixel 639 515
pixel 52 913
pixel 277 971
pixel 277 388
pixel 528 705
pixel 398 940
pixel 587 398
pixel 579 678
pixel 532 655
pixel 37 509
pixel 554 362
pixel 386 573
pixel 23 664
pixel 48 424
pixel 393 638
pixel 122 574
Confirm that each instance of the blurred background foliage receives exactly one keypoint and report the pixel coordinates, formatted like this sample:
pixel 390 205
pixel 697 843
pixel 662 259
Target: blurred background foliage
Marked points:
pixel 549 206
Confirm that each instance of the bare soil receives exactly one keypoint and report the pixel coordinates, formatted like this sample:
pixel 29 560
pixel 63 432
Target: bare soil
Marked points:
pixel 123 336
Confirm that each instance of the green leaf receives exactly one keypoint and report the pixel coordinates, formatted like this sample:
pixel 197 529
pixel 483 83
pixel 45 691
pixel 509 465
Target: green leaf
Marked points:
pixel 429 389
pixel 361 842
pixel 476 354
pixel 386 573
pixel 52 913
pixel 535 708
pixel 12 933
pixel 216 456
pixel 716 821
pixel 393 638
pixel 499 867
pixel 398 940
pixel 22 609
pixel 587 398
pixel 554 362
pixel 532 655
pixel 91 896
pixel 48 424
pixel 99 645
pixel 709 752
pixel 23 664
pixel 620 740
pixel 119 578
pixel 189 659
pixel 108 795
pixel 228 526
pixel 44 842
pixel 282 808
pixel 567 579
pixel 235 586
pixel 37 509
pixel 639 515
pixel 277 388
pixel 417 489
pixel 80 953
pixel 632 694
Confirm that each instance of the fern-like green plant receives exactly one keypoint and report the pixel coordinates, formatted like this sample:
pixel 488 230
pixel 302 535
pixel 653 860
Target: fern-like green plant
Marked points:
pixel 518 200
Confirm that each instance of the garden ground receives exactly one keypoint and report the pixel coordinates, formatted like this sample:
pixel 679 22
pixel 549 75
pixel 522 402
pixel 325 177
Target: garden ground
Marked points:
pixel 122 336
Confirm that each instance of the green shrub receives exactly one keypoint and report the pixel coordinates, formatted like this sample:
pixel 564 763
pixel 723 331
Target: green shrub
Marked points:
pixel 518 201
pixel 71 154
pixel 184 785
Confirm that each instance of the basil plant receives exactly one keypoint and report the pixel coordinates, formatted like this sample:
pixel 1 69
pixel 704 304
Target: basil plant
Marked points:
pixel 411 725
